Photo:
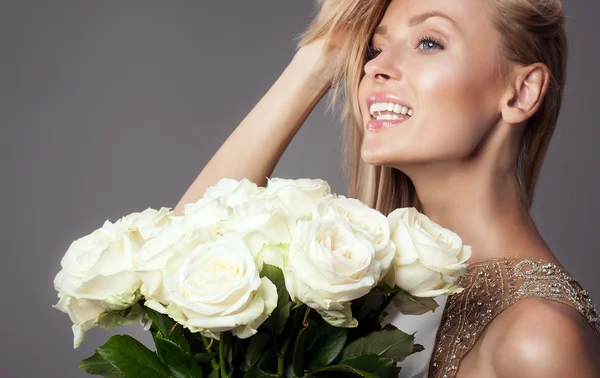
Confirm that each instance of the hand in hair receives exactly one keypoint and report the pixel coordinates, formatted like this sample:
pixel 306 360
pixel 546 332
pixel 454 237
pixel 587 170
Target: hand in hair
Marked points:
pixel 326 35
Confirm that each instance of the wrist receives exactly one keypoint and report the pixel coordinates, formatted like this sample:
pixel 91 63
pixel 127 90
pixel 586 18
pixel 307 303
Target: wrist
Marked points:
pixel 320 65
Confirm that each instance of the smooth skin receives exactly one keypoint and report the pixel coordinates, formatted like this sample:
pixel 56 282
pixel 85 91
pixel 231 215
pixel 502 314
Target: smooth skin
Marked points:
pixel 459 149
pixel 271 124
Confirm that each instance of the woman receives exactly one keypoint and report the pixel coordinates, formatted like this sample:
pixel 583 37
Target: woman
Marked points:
pixel 450 108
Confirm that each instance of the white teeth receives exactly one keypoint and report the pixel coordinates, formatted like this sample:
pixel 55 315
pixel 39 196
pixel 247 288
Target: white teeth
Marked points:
pixel 387 117
pixel 390 107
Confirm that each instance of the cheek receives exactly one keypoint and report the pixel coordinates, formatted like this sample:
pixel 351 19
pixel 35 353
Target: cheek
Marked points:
pixel 448 90
pixel 452 106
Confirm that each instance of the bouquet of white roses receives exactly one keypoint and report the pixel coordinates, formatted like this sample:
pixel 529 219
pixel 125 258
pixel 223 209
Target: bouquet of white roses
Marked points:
pixel 286 280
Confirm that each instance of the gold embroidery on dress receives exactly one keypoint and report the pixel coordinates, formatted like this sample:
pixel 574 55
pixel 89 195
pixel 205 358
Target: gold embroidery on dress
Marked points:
pixel 491 286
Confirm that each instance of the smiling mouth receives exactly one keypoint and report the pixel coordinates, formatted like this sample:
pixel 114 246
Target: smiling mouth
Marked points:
pixel 386 110
pixel 389 110
pixel 382 119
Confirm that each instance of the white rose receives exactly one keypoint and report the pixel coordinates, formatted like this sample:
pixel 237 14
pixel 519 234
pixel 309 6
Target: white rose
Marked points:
pixel 429 258
pixel 96 276
pixel 234 192
pixel 149 222
pixel 272 254
pixel 153 256
pixel 329 264
pixel 217 202
pixel 87 313
pixel 371 223
pixel 297 196
pixel 206 212
pixel 215 288
pixel 263 223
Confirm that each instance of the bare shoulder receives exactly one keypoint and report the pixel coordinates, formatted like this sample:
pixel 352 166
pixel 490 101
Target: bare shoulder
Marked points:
pixel 541 338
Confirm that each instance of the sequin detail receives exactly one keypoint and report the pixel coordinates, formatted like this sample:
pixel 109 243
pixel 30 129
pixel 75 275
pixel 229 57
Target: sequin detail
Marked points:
pixel 491 286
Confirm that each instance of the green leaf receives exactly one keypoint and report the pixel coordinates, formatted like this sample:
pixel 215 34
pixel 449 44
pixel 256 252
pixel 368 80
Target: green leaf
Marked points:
pixel 385 289
pixel 296 305
pixel 279 316
pixel 368 366
pixel 257 372
pixel 132 358
pixel 180 363
pixel 340 318
pixel 366 306
pixel 347 369
pixel 387 343
pixel 303 340
pixel 329 346
pixel 160 322
pixel 411 305
pixel 275 275
pixel 203 357
pixel 381 367
pixel 169 328
pixel 98 366
pixel 258 343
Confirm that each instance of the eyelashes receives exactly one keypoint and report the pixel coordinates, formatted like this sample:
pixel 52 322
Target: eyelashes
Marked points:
pixel 371 52
pixel 431 42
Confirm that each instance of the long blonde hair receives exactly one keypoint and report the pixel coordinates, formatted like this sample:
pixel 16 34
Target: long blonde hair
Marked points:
pixel 531 31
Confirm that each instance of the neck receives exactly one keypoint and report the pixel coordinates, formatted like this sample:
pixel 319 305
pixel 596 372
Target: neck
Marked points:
pixel 482 206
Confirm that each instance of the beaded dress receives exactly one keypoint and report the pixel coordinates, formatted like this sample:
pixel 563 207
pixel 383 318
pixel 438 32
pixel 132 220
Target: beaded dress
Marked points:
pixel 490 287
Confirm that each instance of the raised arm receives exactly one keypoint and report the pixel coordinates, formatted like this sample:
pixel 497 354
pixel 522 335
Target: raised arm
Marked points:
pixel 258 142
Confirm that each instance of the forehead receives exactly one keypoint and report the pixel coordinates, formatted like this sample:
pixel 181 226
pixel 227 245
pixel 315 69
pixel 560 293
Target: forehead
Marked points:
pixel 466 16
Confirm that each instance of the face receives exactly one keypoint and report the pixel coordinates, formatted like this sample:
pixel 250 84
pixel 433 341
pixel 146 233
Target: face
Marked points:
pixel 443 70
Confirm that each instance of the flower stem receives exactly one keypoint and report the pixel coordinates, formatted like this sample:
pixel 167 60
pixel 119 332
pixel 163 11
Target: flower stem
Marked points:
pixel 280 366
pixel 213 362
pixel 222 361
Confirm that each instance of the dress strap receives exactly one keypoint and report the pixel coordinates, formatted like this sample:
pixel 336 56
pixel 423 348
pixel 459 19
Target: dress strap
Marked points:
pixel 491 286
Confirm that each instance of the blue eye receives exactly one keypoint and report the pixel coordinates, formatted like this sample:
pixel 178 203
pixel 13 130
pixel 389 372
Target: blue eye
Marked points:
pixel 429 43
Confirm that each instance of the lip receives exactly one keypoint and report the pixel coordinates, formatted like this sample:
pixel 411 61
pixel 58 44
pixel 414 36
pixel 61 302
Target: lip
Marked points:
pixel 385 97
pixel 373 124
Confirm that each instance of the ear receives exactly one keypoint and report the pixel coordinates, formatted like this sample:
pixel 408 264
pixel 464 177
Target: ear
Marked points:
pixel 526 92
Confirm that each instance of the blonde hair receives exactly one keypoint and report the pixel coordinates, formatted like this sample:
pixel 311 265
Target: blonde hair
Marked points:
pixel 531 31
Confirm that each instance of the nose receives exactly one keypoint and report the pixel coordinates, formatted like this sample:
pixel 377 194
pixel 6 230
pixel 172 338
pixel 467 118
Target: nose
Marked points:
pixel 383 68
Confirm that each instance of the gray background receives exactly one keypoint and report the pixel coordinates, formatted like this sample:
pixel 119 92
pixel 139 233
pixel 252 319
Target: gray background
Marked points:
pixel 110 107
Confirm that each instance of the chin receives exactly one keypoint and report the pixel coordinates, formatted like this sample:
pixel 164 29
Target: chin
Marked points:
pixel 379 149
pixel 380 156
pixel 402 150
pixel 395 156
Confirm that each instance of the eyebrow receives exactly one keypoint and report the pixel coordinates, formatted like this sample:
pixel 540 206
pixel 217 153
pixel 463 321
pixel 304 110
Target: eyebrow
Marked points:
pixel 418 19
